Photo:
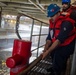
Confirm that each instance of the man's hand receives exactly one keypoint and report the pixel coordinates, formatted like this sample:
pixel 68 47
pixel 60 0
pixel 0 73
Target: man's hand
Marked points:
pixel 44 50
pixel 44 54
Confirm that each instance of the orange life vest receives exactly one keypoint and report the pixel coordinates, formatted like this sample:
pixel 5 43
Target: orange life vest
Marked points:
pixel 68 11
pixel 56 27
pixel 71 9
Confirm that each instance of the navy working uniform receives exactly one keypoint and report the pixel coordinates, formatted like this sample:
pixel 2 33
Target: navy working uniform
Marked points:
pixel 61 54
pixel 61 31
pixel 67 8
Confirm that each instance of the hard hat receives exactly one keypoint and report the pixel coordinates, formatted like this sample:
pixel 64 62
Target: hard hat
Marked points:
pixel 52 10
pixel 66 1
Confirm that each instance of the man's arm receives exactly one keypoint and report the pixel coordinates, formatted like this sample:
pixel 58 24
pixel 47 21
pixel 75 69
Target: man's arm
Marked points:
pixel 48 42
pixel 51 48
pixel 66 28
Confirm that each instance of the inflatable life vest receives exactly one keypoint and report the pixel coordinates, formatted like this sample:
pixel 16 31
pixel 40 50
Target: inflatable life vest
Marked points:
pixel 71 9
pixel 68 11
pixel 56 27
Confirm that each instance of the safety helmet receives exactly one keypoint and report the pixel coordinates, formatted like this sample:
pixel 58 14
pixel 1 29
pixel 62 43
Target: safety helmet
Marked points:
pixel 52 10
pixel 66 1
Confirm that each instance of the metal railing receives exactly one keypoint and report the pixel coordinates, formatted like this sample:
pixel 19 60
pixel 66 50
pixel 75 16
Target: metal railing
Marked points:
pixel 32 35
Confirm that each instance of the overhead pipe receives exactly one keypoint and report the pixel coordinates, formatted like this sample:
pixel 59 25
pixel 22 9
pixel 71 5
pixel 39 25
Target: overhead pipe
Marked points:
pixel 31 17
pixel 37 6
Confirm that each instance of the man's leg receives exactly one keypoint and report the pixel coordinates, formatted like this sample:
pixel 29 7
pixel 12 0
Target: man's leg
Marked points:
pixel 59 60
